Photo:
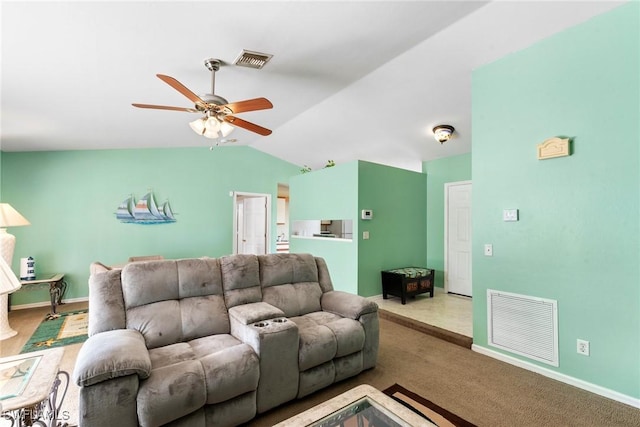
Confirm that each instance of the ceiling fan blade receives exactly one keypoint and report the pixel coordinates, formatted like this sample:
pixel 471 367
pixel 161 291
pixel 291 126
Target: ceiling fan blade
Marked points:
pixel 249 105
pixel 247 125
pixel 164 107
pixel 182 89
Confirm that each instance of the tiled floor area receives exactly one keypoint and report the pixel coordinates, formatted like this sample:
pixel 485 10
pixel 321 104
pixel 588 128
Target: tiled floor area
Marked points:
pixel 446 311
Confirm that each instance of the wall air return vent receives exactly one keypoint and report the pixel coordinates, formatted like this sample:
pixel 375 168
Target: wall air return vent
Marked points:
pixel 523 325
pixel 252 59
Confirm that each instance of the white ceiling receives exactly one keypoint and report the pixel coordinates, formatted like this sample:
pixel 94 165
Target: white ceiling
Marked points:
pixel 348 80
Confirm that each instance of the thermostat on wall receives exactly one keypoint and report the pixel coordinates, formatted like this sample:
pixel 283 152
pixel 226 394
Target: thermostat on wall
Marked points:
pixel 367 214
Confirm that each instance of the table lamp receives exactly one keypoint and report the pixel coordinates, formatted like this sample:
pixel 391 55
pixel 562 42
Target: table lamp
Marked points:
pixel 9 217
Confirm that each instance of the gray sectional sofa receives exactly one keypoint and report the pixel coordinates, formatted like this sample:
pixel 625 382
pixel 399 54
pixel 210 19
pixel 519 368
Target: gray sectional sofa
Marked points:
pixel 213 342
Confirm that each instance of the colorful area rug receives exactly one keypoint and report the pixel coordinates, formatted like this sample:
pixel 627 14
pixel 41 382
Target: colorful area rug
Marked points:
pixel 69 328
pixel 425 408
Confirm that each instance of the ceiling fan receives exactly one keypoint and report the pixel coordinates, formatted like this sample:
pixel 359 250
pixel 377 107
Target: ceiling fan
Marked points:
pixel 218 114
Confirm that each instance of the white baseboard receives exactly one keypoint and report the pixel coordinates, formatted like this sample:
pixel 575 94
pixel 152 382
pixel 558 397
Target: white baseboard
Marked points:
pixel 47 303
pixel 593 388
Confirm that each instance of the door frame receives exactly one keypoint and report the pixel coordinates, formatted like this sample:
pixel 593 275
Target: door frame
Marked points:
pixel 447 185
pixel 235 230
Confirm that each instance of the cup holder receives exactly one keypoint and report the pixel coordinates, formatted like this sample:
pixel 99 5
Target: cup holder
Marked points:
pixel 261 324
pixel 280 320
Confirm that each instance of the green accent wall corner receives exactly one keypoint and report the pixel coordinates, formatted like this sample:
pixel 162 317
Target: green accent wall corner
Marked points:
pixel 397 230
pixel 578 237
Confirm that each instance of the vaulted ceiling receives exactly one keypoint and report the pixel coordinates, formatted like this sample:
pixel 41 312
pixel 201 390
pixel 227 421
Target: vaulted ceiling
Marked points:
pixel 348 79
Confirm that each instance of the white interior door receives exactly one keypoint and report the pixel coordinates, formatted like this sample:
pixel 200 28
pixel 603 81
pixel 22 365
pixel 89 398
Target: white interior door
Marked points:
pixel 251 218
pixel 458 238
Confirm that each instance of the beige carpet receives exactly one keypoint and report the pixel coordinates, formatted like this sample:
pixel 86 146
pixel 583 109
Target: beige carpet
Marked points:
pixel 481 390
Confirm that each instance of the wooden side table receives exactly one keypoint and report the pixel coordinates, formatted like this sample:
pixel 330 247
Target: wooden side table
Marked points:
pixel 29 388
pixel 57 287
pixel 407 282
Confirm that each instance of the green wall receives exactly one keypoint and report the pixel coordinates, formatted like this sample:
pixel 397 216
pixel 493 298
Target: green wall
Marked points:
pixel 439 172
pixel 330 193
pixel 70 198
pixel 577 240
pixel 397 230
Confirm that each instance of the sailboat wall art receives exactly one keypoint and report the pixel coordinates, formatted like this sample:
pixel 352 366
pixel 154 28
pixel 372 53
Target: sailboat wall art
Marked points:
pixel 144 211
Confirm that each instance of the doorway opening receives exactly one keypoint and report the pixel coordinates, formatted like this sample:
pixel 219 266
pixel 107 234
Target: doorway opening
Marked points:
pixel 251 223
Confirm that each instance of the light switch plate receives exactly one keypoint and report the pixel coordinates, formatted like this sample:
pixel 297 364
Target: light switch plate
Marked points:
pixel 488 249
pixel 510 215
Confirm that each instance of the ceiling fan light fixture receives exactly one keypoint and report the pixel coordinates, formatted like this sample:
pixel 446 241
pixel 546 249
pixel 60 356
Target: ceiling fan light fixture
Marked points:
pixel 443 133
pixel 198 125
pixel 217 120
pixel 226 129
pixel 212 124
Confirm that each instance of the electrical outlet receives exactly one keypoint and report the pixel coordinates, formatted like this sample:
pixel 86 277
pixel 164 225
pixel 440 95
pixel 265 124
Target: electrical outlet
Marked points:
pixel 583 347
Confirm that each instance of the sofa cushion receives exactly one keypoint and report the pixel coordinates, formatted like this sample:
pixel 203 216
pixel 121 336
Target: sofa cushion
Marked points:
pixel 230 372
pixel 290 282
pixel 294 299
pixel 171 392
pixel 199 277
pixel 172 301
pixel 148 282
pixel 316 345
pixel 279 269
pixel 203 316
pixel 349 336
pixel 240 279
pixel 160 324
pixel 231 367
pixel 170 355
pixel 228 367
pixel 212 344
pixel 325 336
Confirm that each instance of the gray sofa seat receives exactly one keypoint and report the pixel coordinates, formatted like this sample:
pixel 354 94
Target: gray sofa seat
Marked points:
pixel 213 342
pixel 207 370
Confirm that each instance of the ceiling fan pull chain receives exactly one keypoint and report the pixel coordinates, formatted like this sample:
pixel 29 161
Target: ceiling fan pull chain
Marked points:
pixel 213 81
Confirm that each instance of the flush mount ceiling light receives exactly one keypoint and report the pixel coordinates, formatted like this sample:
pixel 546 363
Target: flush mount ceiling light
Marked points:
pixel 443 133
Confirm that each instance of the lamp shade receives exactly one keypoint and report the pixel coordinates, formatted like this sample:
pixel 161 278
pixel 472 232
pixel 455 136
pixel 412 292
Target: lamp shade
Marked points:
pixel 9 217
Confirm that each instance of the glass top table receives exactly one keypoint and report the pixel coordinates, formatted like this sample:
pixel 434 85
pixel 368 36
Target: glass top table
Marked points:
pixel 29 388
pixel 361 406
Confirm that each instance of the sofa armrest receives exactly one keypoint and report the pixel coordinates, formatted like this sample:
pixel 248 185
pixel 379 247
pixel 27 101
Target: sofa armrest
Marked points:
pixel 254 312
pixel 347 305
pixel 112 354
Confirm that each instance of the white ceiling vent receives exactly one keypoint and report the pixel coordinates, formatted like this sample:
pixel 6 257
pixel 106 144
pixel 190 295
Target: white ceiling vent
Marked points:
pixel 248 58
